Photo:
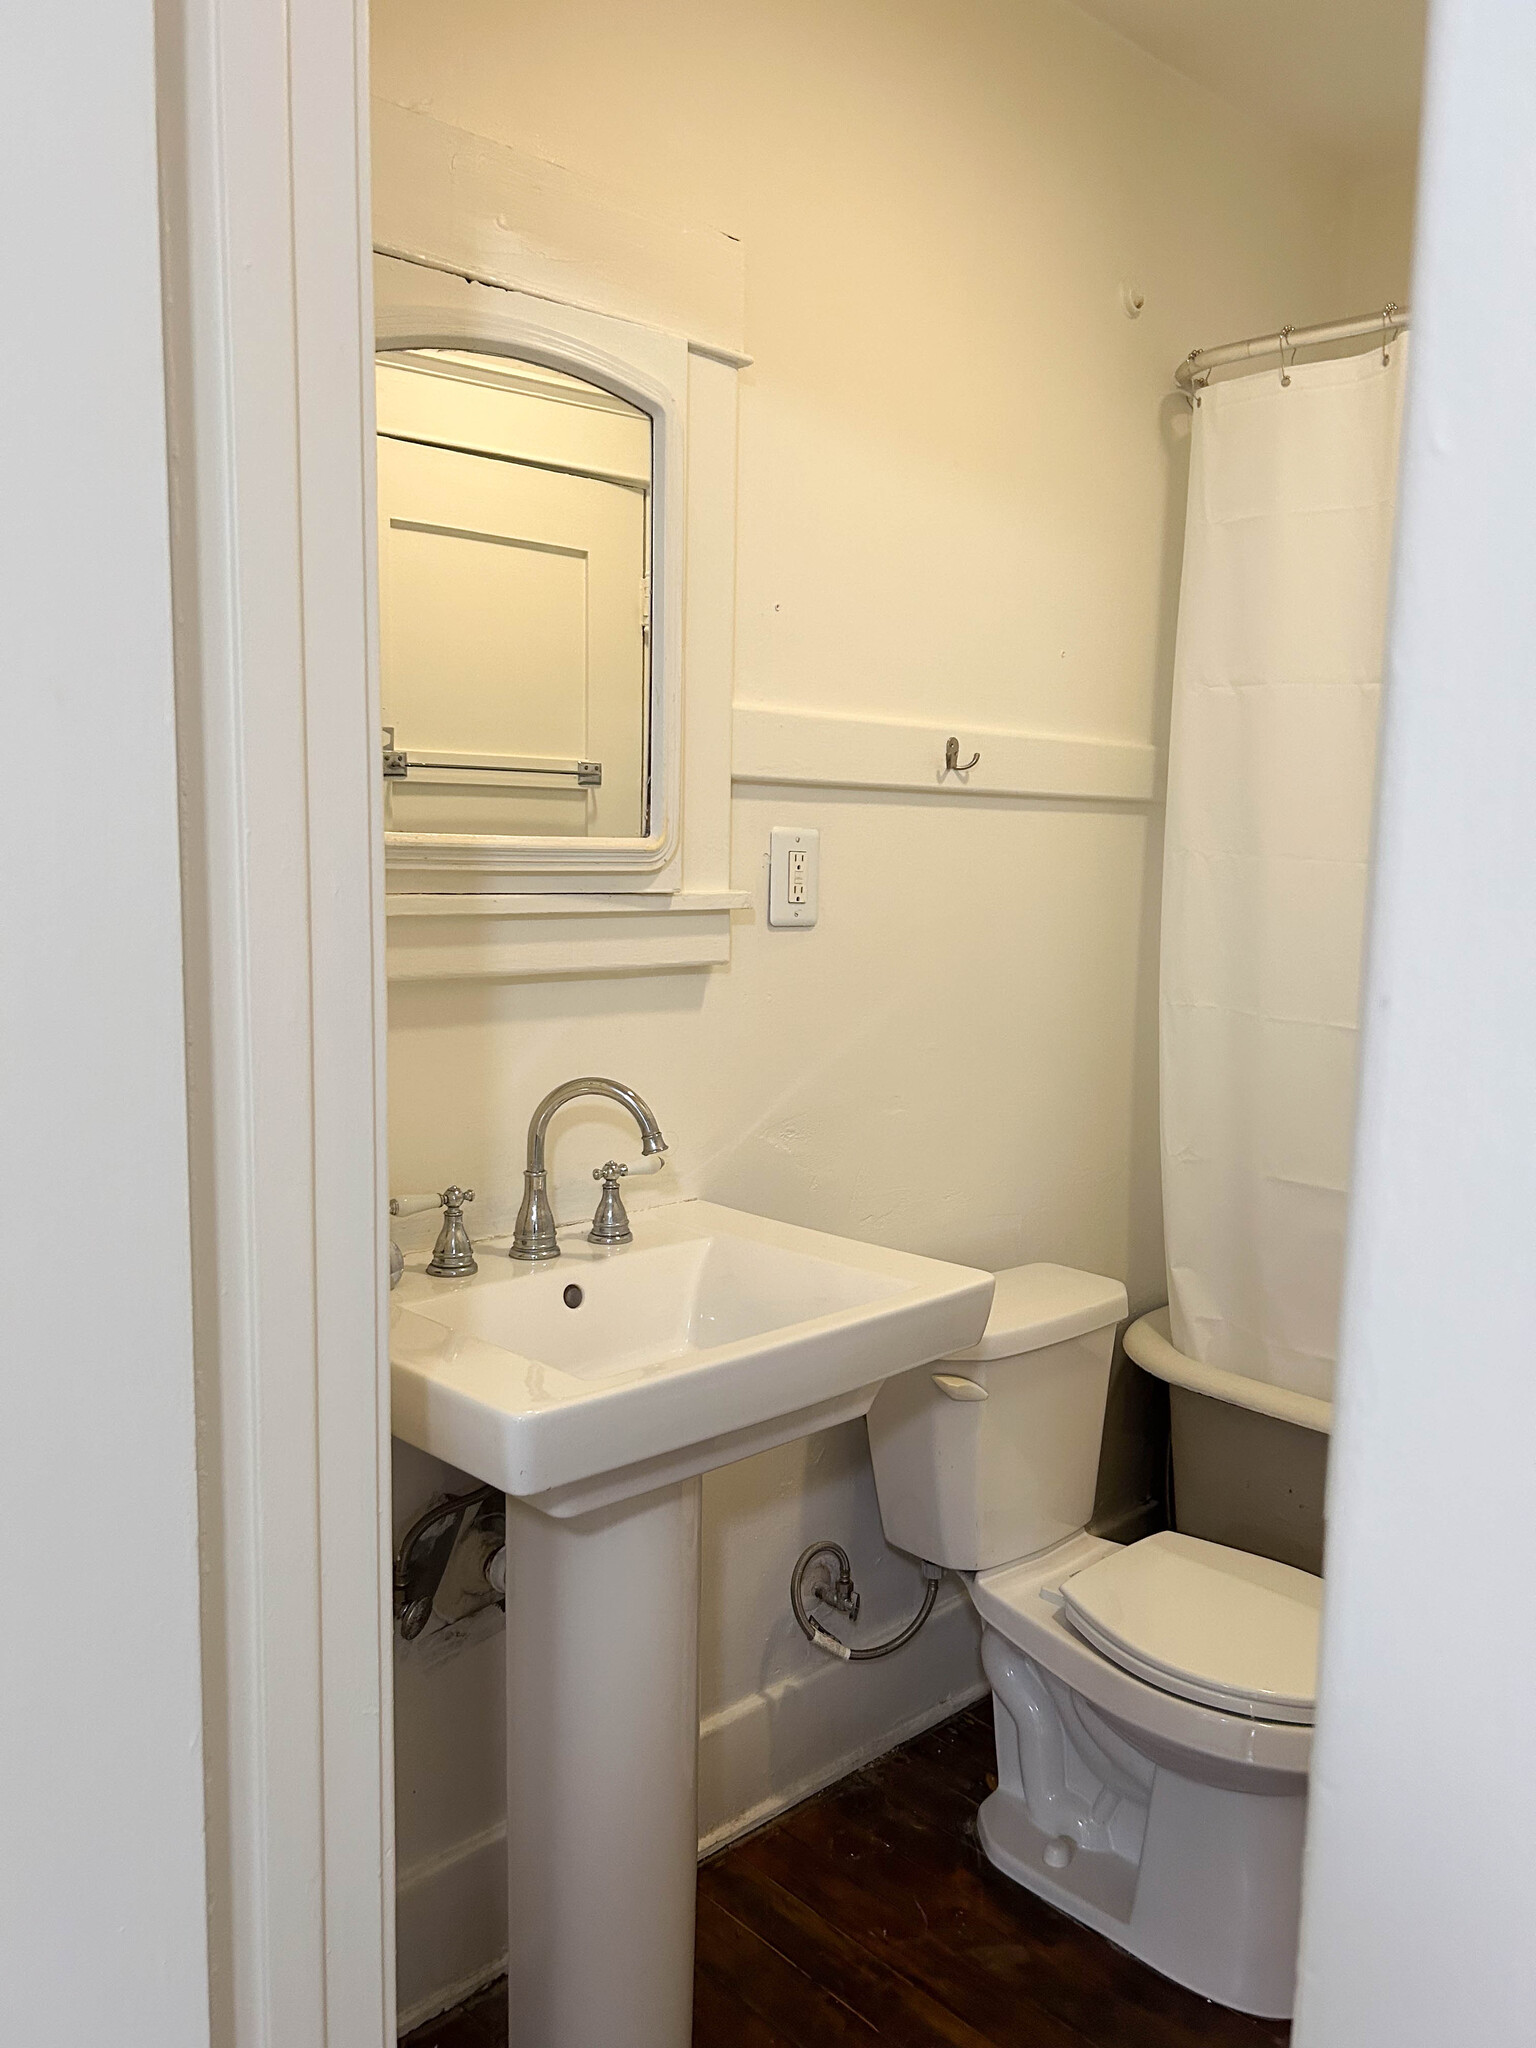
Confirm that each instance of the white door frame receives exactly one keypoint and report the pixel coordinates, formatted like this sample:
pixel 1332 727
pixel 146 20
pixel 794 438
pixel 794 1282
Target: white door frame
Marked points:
pixel 1420 1890
pixel 269 352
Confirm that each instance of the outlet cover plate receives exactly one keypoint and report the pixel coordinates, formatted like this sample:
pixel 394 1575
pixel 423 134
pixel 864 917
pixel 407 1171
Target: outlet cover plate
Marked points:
pixel 794 875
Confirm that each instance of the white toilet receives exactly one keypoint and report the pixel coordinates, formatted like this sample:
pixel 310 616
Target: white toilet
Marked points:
pixel 1152 1701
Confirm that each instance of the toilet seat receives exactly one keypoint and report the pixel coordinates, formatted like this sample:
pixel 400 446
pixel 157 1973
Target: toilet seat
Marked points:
pixel 1023 1604
pixel 1217 1626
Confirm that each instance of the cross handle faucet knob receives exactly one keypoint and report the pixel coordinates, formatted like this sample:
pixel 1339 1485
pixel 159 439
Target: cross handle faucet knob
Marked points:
pixel 453 1256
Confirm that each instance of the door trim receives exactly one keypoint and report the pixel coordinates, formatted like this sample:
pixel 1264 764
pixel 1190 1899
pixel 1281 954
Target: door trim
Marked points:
pixel 267 296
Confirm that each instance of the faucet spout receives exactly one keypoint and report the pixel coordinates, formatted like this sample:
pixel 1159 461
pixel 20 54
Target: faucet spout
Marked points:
pixel 534 1236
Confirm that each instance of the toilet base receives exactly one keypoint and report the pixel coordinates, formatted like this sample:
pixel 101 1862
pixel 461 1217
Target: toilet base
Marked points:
pixel 1201 1880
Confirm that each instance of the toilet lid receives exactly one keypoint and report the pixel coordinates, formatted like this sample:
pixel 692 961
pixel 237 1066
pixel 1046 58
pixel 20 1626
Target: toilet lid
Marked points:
pixel 1218 1626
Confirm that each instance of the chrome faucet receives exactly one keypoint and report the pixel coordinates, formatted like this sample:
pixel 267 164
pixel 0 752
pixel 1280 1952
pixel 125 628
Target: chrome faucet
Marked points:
pixel 534 1237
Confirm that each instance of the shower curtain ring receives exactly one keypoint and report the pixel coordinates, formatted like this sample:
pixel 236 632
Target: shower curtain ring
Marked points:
pixel 1285 375
pixel 1387 321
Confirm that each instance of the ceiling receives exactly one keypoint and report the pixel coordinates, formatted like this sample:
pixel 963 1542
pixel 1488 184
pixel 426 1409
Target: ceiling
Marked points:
pixel 1341 74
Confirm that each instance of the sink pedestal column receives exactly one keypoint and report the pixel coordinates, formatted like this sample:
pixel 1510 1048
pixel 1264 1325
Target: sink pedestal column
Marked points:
pixel 602 1772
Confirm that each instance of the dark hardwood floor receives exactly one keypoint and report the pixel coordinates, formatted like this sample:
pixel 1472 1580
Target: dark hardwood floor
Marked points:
pixel 870 1915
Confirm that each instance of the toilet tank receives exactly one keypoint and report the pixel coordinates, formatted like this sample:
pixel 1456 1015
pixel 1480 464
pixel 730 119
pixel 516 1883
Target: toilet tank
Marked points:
pixel 992 1453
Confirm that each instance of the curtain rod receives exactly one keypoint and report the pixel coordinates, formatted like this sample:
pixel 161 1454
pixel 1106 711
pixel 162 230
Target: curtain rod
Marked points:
pixel 1197 366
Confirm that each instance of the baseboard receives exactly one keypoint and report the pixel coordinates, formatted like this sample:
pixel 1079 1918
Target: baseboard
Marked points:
pixel 765 1753
pixel 758 1757
pixel 450 1926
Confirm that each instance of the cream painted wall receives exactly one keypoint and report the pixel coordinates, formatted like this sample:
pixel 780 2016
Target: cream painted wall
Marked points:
pixel 1376 236
pixel 953 476
pixel 960 496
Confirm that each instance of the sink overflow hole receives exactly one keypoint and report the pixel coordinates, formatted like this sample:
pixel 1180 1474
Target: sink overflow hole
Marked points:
pixel 572 1296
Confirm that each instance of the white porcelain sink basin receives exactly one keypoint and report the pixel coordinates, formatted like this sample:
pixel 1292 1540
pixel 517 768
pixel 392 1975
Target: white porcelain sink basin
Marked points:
pixel 594 1390
pixel 604 1374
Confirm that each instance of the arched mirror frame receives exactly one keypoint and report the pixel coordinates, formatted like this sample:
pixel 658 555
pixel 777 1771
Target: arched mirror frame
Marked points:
pixel 650 370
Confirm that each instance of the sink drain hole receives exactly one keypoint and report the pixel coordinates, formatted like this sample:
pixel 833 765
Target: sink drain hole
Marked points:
pixel 573 1296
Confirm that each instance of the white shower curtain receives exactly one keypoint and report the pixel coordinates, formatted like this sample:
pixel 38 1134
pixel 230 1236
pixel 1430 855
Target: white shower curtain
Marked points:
pixel 1272 757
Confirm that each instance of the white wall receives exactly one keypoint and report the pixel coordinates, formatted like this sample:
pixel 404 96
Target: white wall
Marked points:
pixel 102 1913
pixel 1421 1874
pixel 910 1081
pixel 961 497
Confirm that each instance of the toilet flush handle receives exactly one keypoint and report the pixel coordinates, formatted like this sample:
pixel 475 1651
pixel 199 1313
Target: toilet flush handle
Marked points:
pixel 958 1388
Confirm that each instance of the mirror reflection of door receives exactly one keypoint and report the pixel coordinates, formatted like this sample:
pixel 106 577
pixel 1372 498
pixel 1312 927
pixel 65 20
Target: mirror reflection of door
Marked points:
pixel 514 557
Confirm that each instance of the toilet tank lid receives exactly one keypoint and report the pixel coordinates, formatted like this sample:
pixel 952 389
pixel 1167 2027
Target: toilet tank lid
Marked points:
pixel 1039 1305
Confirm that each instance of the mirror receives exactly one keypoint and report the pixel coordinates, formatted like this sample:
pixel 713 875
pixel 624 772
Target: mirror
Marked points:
pixel 515 539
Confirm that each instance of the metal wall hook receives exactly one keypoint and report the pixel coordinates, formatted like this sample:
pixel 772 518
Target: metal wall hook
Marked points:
pixel 953 761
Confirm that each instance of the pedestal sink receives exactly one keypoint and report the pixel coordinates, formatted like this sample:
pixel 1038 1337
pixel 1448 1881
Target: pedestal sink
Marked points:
pixel 594 1390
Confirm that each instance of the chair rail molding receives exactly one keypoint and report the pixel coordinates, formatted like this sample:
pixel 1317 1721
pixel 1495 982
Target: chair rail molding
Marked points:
pixel 778 743
pixel 528 938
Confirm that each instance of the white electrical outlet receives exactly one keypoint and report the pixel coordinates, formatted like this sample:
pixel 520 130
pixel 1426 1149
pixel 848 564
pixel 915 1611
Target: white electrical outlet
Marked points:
pixel 794 861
